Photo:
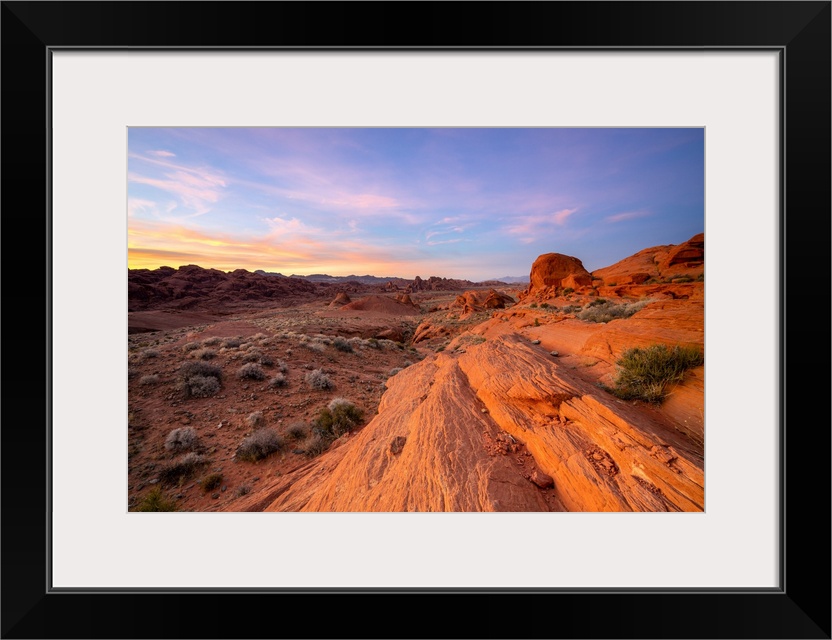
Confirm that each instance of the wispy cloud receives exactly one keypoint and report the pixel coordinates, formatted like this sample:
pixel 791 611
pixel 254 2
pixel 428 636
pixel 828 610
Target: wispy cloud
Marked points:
pixel 161 153
pixel 627 215
pixel 530 227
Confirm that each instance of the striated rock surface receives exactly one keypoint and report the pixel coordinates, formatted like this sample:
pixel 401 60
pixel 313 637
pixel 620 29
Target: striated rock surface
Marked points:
pixel 499 426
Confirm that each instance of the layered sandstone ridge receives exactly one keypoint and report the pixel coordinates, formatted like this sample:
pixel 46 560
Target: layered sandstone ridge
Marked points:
pixel 491 426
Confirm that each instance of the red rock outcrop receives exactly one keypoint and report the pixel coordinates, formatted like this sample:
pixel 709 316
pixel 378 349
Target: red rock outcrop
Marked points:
pixel 381 304
pixel 661 263
pixel 472 301
pixel 340 300
pixel 554 271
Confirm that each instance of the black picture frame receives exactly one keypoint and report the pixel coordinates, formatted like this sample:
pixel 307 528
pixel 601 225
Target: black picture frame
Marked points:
pixel 799 608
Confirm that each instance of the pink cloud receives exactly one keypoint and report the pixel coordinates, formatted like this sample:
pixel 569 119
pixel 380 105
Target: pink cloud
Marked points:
pixel 627 215
pixel 162 153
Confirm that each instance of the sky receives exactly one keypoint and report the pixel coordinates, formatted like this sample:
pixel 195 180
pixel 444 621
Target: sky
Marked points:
pixel 472 203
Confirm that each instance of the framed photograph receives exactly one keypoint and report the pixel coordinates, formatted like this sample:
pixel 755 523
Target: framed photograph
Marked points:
pixel 125 123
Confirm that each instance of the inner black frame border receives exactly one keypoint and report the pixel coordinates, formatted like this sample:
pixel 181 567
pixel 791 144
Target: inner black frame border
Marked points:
pixel 799 31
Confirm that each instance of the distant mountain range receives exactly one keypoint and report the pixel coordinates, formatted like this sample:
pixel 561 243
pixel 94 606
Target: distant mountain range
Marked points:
pixel 374 280
pixel 323 277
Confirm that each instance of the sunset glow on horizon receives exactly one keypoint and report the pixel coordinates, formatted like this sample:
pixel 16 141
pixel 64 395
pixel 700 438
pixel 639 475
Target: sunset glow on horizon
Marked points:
pixel 457 202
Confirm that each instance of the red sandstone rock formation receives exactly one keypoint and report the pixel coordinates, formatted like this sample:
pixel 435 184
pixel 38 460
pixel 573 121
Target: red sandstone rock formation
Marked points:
pixel 661 264
pixel 382 304
pixel 340 300
pixel 499 427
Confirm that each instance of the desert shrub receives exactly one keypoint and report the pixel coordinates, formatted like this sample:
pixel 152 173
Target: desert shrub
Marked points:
pixel 645 372
pixel 297 431
pixel 251 371
pixel 393 371
pixel 190 346
pixel 181 469
pixel 200 379
pixel 282 366
pixel 278 381
pixel 317 379
pixel 132 372
pixel 339 417
pixel 231 343
pixel 150 353
pixel 253 355
pixel 266 360
pixel 567 291
pixel 342 344
pixel 210 482
pixel 315 345
pixel 155 500
pixel 373 343
pixel 212 342
pixel 571 308
pixel 190 369
pixel 545 305
pixel 204 354
pixel 537 322
pixel 202 386
pixel 149 379
pixel 182 439
pixel 700 277
pixel 260 444
pixel 316 444
pixel 533 305
pixel 242 490
pixel 256 419
pixel 607 311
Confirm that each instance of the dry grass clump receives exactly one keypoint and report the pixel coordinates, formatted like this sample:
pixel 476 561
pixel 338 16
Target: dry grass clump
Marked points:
pixel 394 371
pixel 317 379
pixel 251 371
pixel 256 419
pixel 182 439
pixel 604 311
pixel 297 431
pixel 180 470
pixel 191 346
pixel 210 482
pixel 232 343
pixel 150 353
pixel 204 354
pixel 149 380
pixel 316 444
pixel 282 366
pixel 260 444
pixel 645 372
pixel 278 381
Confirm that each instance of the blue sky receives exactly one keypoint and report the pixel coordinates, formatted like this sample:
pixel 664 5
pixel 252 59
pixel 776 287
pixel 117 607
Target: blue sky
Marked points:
pixel 463 203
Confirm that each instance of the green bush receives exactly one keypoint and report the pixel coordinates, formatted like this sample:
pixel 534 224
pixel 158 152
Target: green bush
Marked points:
pixel 155 500
pixel 339 417
pixel 568 290
pixel 644 373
